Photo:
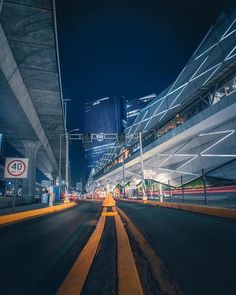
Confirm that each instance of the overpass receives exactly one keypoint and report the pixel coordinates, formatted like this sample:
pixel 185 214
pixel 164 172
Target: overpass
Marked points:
pixel 191 125
pixel 31 113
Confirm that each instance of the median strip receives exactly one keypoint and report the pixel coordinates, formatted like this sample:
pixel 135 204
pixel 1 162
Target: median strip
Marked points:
pixel 128 279
pixel 166 283
pixel 20 216
pixel 74 281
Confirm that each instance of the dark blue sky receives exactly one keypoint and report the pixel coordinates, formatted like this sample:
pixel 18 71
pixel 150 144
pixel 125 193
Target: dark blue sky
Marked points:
pixel 125 47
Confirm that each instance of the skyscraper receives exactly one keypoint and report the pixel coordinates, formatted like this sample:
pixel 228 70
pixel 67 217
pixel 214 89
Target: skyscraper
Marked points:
pixel 103 115
pixel 133 108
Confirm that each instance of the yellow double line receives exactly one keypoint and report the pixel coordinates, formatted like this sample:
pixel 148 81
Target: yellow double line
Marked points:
pixel 128 279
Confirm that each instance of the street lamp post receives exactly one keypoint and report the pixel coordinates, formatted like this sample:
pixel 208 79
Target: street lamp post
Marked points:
pixel 65 100
pixel 67 145
pixel 60 160
pixel 67 162
pixel 67 167
pixel 142 169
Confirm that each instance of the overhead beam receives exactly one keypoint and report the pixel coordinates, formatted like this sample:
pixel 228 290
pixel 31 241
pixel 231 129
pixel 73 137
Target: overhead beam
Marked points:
pixel 12 74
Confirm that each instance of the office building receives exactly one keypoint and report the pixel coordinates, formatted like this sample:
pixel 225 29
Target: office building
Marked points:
pixel 103 115
pixel 133 108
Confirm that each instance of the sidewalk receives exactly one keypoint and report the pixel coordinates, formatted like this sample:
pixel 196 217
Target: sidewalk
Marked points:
pixel 30 211
pixel 33 206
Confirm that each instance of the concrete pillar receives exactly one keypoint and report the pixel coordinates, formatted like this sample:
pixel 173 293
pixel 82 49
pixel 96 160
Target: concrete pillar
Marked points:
pixel 31 148
pixel 54 178
pixel 1 3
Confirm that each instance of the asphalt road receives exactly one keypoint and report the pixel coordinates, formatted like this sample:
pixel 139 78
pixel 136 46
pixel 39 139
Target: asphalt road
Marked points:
pixel 198 250
pixel 35 255
pixel 102 277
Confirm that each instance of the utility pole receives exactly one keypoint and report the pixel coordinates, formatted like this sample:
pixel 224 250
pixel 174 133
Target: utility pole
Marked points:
pixel 67 149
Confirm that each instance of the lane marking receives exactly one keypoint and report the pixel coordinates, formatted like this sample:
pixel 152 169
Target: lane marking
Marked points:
pixel 167 285
pixel 74 281
pixel 110 213
pixel 20 216
pixel 128 279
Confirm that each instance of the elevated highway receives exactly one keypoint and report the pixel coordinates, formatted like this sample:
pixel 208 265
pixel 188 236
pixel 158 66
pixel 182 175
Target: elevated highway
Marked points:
pixel 31 113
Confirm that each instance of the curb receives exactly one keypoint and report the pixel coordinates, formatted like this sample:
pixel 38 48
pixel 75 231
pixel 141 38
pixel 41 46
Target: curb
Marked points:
pixel 20 216
pixel 211 211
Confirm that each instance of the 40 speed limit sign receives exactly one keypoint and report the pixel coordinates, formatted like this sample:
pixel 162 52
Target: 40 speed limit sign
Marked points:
pixel 16 168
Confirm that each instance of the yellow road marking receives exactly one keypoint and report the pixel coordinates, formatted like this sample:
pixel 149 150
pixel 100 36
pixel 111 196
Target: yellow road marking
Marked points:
pixel 74 281
pixel 128 279
pixel 8 218
pixel 167 285
pixel 113 213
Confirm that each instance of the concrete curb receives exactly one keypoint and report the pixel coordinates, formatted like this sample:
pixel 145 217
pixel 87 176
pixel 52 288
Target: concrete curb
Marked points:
pixel 212 211
pixel 20 216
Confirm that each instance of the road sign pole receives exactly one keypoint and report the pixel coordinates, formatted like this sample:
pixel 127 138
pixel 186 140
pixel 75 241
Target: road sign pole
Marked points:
pixel 14 196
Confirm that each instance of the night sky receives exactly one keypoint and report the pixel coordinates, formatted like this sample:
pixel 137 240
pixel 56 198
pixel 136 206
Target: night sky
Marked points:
pixel 125 47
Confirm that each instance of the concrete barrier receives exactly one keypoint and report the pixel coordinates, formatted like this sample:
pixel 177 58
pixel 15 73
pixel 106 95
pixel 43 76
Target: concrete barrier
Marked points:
pixel 9 218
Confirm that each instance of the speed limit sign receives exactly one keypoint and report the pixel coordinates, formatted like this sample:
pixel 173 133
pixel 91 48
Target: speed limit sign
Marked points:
pixel 16 168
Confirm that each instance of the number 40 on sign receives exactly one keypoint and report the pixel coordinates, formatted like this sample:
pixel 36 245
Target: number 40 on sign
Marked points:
pixel 16 168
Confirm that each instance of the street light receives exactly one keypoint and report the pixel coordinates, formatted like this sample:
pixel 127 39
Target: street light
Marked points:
pixel 64 101
pixel 60 156
pixel 67 162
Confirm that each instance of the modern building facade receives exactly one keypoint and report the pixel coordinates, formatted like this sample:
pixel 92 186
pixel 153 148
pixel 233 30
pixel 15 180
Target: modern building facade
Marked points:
pixel 103 115
pixel 191 125
pixel 133 108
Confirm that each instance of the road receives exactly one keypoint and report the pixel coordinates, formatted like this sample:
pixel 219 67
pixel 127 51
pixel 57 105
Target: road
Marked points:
pixel 198 250
pixel 35 255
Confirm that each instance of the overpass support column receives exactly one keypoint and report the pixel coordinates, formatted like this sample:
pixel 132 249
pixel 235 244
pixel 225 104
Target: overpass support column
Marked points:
pixel 54 178
pixel 1 3
pixel 31 148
